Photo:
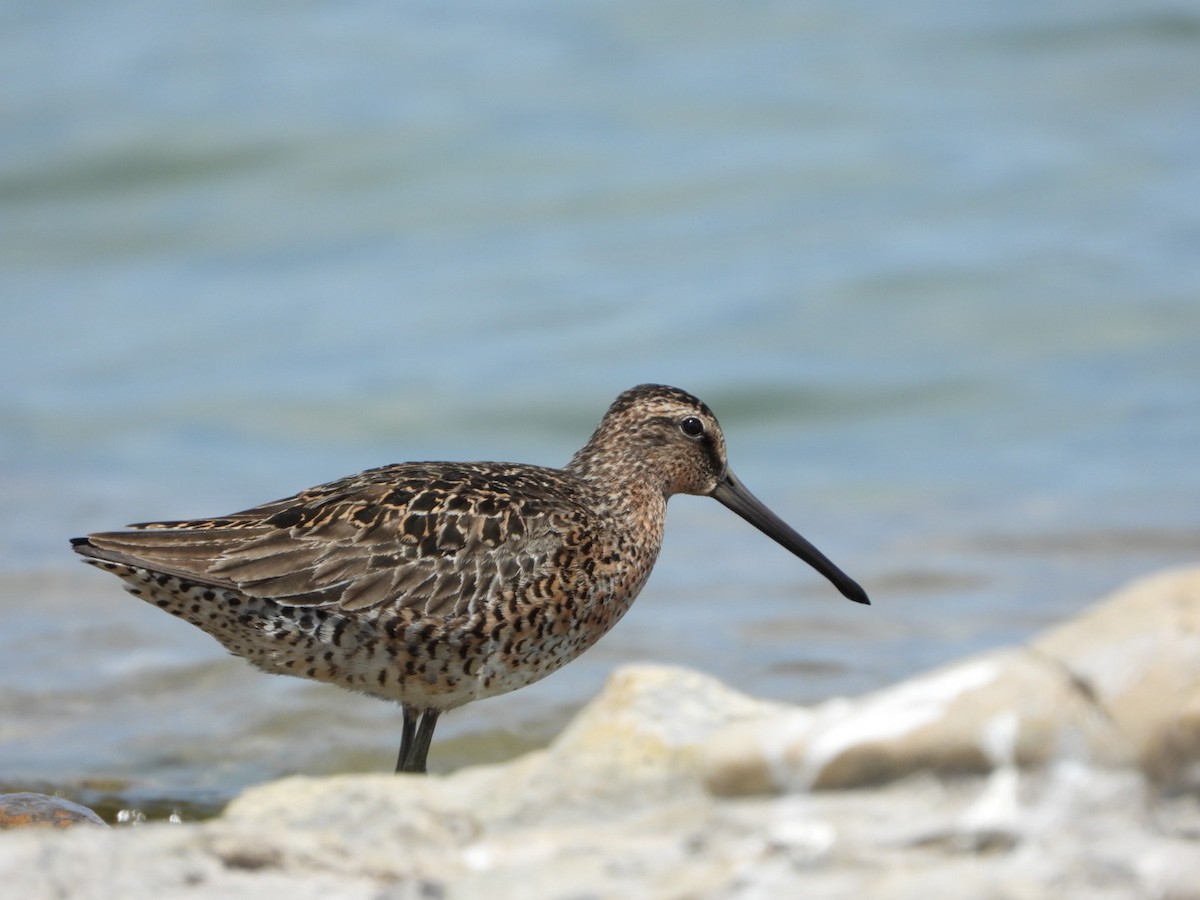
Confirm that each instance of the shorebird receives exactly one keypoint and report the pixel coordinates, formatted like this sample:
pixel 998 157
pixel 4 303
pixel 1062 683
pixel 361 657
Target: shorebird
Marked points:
pixel 433 584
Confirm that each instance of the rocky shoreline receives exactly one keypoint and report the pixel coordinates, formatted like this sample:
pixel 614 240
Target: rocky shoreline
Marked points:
pixel 1066 767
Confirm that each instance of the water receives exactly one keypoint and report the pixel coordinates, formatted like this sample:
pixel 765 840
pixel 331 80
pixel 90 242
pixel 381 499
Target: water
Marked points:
pixel 934 265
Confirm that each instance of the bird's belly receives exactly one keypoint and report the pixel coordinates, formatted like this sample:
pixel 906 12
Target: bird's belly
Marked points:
pixel 394 654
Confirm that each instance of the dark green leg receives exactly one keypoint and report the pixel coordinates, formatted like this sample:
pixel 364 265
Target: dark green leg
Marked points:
pixel 415 739
pixel 420 748
pixel 406 737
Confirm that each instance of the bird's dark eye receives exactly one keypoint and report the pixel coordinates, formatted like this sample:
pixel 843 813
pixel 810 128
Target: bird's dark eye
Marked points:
pixel 692 427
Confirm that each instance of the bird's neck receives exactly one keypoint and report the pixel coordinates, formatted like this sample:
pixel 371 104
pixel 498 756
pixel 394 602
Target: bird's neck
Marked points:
pixel 620 484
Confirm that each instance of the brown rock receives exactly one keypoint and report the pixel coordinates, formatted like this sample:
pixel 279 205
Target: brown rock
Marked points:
pixel 29 810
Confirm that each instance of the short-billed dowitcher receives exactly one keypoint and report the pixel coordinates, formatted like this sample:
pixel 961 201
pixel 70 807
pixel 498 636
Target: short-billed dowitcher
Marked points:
pixel 434 584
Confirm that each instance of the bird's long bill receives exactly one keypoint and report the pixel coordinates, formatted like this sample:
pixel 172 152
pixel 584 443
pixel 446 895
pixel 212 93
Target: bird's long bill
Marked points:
pixel 733 494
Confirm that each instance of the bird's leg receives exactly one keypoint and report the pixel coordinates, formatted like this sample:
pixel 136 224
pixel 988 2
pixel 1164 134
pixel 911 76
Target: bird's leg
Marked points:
pixel 406 738
pixel 415 739
pixel 420 748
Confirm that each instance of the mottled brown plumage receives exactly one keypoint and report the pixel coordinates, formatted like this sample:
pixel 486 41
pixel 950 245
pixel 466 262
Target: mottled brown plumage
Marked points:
pixel 434 584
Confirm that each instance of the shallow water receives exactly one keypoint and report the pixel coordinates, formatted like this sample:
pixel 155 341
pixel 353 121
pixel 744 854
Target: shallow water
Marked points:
pixel 933 265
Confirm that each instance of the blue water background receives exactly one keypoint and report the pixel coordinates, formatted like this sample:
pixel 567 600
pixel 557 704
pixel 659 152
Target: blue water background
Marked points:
pixel 936 267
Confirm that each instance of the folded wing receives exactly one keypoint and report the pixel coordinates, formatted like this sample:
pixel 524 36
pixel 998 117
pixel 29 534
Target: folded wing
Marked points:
pixel 431 536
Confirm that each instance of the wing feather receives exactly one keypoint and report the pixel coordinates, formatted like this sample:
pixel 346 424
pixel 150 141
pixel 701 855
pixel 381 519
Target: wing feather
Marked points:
pixel 431 536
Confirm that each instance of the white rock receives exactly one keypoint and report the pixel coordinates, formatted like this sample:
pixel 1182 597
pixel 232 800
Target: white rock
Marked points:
pixel 1119 684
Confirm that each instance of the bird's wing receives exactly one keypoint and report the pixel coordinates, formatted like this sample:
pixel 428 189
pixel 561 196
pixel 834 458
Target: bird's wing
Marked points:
pixel 431 536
